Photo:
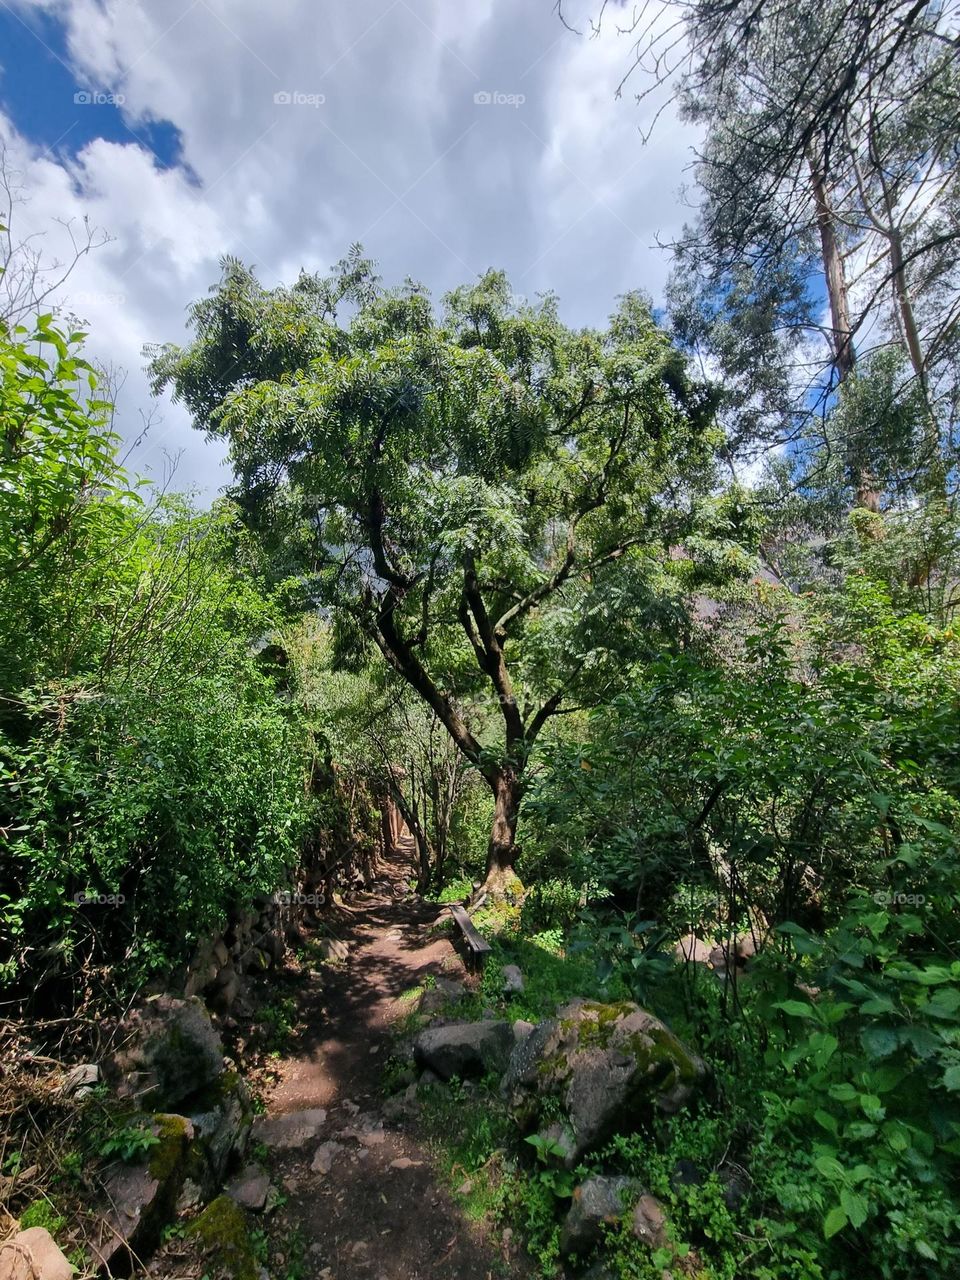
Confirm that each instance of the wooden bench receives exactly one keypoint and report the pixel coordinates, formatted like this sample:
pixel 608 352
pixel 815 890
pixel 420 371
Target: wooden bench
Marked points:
pixel 478 947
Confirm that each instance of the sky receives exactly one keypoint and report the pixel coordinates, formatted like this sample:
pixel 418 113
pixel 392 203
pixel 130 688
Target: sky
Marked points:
pixel 447 136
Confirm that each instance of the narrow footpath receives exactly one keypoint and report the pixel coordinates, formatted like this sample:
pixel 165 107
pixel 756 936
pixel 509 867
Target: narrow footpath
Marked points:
pixel 363 1199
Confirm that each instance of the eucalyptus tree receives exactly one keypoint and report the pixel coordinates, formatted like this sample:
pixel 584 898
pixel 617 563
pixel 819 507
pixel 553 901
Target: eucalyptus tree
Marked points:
pixel 826 239
pixel 463 489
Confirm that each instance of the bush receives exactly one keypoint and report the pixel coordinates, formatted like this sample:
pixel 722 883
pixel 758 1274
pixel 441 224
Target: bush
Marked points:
pixel 150 774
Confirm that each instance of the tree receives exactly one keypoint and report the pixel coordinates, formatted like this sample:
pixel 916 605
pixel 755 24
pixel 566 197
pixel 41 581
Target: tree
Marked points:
pixel 828 175
pixel 30 278
pixel 461 488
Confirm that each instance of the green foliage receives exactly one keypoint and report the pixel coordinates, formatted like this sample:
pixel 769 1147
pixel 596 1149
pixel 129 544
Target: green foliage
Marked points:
pixel 150 777
pixel 477 492
pixel 277 1023
pixel 129 1142
pixel 42 1213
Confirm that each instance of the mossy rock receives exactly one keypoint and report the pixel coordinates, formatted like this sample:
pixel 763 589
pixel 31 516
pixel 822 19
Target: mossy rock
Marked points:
pixel 221 1116
pixel 168 1158
pixel 224 1235
pixel 141 1197
pixel 170 1051
pixel 604 1067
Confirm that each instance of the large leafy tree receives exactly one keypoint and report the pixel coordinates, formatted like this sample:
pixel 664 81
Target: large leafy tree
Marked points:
pixel 461 488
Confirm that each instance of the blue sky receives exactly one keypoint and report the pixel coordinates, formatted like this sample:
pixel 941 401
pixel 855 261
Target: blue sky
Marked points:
pixel 447 138
pixel 41 93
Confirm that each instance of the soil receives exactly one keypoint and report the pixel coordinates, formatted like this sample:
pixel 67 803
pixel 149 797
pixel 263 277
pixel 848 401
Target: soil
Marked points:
pixel 380 1212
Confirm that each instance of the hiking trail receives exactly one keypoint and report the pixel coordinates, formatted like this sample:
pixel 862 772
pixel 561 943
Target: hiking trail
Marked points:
pixel 362 1191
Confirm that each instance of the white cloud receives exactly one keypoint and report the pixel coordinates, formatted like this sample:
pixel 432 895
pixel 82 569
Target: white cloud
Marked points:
pixel 559 191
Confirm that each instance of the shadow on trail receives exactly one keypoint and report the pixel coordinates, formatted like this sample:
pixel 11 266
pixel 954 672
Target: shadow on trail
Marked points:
pixel 378 1212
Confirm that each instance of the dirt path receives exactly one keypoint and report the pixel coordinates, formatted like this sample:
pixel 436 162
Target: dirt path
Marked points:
pixel 362 1194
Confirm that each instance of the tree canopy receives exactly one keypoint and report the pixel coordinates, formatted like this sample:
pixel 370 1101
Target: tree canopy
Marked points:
pixel 461 487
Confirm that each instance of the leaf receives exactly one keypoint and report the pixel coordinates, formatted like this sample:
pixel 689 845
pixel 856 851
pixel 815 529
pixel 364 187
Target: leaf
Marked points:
pixel 854 1206
pixel 829 1168
pixel 878 1004
pixel 826 1121
pixel 843 1092
pixel 793 930
pixel 951 1079
pixel 944 1003
pixel 835 1221
pixel 872 1107
pixel 795 1009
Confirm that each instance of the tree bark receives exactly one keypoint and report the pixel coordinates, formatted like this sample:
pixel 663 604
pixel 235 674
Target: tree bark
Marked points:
pixel 502 849
pixel 844 355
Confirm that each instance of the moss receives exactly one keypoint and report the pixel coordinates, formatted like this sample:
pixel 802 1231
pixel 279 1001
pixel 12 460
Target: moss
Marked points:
pixel 555 1065
pixel 42 1213
pixel 610 1012
pixel 167 1157
pixel 596 1031
pixel 667 1045
pixel 222 1230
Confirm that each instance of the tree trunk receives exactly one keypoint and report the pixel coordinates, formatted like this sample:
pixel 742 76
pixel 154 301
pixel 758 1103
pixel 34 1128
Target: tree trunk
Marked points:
pixel 844 355
pixel 502 849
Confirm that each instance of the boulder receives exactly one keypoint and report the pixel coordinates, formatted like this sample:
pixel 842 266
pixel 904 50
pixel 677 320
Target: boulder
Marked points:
pixel 273 944
pixel 648 1222
pixel 333 949
pixel 605 1202
pixel 733 955
pixel 451 989
pixel 692 950
pixel 169 1050
pixel 736 1184
pixel 223 1233
pixel 221 1118
pixel 228 987
pixel 325 1156
pixel 295 1129
pixel 432 1001
pixel 464 1048
pixel 142 1198
pixel 607 1065
pixel 254 960
pixel 250 1189
pixel 198 980
pixel 33 1255
pixel 512 979
pixel 597 1203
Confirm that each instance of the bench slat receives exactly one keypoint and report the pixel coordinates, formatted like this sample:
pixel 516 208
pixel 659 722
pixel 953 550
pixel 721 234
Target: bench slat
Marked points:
pixel 465 925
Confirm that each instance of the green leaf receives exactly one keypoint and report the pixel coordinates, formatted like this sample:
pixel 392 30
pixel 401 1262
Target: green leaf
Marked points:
pixel 829 1168
pixel 795 1009
pixel 843 1092
pixel 854 1206
pixel 826 1121
pixel 835 1221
